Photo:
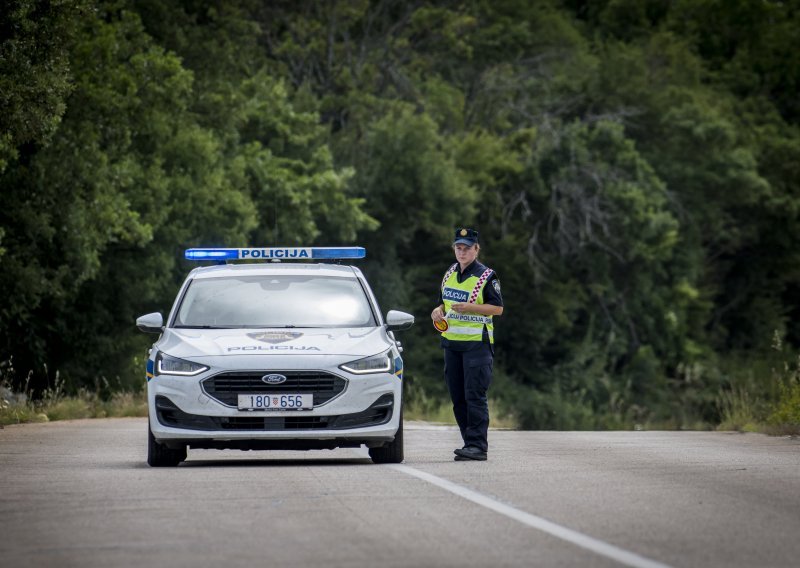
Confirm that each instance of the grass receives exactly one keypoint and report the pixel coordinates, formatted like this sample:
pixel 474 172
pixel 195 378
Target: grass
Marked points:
pixel 436 408
pixel 441 412
pixel 82 405
pixel 767 398
pixel 739 411
pixel 17 408
pixel 785 416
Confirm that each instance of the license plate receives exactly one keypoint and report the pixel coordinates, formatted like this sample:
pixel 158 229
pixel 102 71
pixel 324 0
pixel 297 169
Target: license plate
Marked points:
pixel 275 401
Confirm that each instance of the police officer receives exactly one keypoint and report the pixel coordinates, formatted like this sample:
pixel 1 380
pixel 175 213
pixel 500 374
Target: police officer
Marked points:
pixel 469 298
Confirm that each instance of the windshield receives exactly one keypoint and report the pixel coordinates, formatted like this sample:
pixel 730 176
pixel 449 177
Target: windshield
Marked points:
pixel 275 301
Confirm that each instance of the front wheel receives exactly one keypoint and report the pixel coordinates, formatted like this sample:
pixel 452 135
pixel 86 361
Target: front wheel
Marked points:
pixel 391 452
pixel 159 455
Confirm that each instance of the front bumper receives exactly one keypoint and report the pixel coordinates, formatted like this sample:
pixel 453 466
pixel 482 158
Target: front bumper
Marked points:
pixel 365 411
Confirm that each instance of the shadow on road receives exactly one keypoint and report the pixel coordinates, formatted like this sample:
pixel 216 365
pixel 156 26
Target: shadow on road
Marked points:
pixel 266 462
pixel 256 461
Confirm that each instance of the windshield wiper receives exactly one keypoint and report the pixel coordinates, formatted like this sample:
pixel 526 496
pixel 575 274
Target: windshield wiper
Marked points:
pixel 277 326
pixel 205 326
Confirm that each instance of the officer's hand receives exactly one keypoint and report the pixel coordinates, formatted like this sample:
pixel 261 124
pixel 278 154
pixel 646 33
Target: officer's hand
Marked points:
pixel 460 307
pixel 437 314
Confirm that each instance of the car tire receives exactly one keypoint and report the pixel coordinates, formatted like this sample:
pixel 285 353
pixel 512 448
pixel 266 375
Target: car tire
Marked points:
pixel 391 452
pixel 159 455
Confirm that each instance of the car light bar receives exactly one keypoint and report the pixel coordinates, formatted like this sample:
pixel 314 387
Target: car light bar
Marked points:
pixel 281 253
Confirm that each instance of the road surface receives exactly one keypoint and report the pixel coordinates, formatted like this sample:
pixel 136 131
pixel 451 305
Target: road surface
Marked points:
pixel 79 493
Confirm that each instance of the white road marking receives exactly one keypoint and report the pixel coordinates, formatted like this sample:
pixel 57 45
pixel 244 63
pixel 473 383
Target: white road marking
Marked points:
pixel 579 539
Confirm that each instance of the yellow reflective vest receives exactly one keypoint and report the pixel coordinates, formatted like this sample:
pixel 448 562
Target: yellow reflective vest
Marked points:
pixel 465 326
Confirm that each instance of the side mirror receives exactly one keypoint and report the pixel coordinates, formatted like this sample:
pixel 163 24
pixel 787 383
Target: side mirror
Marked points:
pixel 151 323
pixel 398 321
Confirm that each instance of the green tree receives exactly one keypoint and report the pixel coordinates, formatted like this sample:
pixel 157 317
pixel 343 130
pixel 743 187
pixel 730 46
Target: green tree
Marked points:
pixel 34 71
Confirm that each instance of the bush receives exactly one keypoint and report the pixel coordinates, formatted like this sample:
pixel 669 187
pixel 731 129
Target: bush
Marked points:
pixel 785 418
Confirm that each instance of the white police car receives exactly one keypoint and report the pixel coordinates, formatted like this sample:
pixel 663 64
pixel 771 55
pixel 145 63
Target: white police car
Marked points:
pixel 275 356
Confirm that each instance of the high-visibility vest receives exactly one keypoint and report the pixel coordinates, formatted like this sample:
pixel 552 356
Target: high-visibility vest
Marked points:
pixel 465 326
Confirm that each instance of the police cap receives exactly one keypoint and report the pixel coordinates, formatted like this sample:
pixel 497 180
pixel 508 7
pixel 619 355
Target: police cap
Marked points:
pixel 466 237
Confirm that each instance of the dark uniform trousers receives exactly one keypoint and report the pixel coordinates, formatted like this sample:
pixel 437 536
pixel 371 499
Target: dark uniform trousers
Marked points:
pixel 468 375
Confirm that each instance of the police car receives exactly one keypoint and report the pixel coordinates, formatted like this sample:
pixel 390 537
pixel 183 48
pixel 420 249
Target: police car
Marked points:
pixel 275 355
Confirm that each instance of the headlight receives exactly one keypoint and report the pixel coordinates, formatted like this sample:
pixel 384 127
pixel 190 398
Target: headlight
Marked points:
pixel 380 363
pixel 168 365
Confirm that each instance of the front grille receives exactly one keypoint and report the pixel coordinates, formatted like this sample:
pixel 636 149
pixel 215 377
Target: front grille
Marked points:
pixel 379 412
pixel 226 387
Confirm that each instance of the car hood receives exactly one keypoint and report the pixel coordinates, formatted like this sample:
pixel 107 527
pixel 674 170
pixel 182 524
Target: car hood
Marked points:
pixel 196 343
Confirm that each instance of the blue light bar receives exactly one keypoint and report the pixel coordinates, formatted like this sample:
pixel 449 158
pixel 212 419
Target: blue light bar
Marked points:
pixel 281 253
pixel 212 254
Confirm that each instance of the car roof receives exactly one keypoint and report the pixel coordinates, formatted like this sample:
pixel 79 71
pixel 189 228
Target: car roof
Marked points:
pixel 272 268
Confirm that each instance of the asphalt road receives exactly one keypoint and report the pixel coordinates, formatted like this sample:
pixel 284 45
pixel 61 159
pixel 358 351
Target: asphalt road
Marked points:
pixel 79 493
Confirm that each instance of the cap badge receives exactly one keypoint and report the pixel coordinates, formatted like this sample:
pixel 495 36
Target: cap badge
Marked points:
pixel 463 232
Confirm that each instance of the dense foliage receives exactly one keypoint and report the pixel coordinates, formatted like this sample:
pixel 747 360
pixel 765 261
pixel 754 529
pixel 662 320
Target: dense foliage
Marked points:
pixel 633 167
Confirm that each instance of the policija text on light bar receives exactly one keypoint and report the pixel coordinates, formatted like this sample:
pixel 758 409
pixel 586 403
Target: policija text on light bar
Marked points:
pixel 291 253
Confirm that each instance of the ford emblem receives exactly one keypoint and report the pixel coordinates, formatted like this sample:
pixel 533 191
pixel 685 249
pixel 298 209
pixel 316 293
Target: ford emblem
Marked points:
pixel 273 379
